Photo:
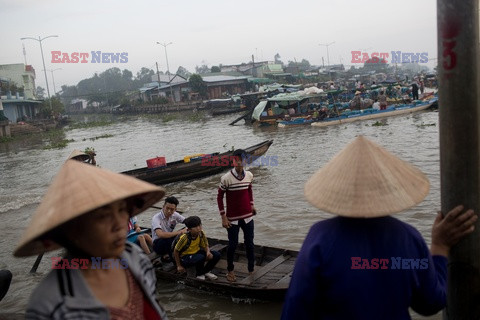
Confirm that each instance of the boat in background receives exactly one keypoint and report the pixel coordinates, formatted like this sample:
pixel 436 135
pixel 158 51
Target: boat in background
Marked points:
pixel 370 114
pixel 194 167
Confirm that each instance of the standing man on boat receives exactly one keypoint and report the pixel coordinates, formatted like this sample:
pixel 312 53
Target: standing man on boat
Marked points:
pixel 382 98
pixel 415 90
pixel 237 185
pixel 163 226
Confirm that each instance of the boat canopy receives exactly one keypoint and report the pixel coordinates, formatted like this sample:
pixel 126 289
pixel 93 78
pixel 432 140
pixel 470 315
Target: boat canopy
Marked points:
pixel 286 100
pixel 257 112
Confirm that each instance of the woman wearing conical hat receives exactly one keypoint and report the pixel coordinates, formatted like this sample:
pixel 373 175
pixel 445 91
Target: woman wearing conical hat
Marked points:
pixel 86 211
pixel 88 156
pixel 365 264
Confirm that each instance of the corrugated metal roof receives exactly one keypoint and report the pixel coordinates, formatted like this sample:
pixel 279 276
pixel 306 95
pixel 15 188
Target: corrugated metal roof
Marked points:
pixel 222 78
pixel 174 78
pixel 20 101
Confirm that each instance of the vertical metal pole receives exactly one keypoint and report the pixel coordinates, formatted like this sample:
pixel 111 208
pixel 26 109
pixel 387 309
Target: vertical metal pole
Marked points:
pixel 328 57
pixel 168 70
pixel 458 50
pixel 45 72
pixel 53 79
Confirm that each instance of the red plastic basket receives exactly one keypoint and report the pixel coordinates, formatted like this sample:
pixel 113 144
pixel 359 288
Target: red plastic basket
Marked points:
pixel 156 162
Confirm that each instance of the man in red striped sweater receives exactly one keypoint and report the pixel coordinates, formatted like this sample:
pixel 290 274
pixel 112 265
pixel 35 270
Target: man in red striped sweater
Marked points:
pixel 237 185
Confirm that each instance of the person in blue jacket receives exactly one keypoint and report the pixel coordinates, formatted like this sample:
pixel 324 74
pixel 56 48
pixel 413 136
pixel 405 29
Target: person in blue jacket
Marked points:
pixel 365 264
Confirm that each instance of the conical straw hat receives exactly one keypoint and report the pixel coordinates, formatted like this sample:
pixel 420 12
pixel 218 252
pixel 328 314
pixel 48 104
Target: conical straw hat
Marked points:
pixel 365 180
pixel 78 189
pixel 78 155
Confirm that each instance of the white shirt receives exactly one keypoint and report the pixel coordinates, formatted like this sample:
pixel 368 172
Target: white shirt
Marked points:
pixel 159 221
pixel 376 105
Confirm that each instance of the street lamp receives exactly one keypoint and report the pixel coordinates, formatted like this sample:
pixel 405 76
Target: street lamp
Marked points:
pixel 168 69
pixel 53 79
pixel 43 60
pixel 327 45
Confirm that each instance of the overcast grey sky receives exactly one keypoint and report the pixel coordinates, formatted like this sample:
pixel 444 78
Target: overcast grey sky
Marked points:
pixel 210 31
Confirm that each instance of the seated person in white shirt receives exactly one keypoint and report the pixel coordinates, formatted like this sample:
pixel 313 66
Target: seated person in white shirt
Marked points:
pixel 163 226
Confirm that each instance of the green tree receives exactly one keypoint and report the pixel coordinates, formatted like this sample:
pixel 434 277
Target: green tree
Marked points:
pixel 277 59
pixel 198 85
pixel 68 93
pixel 13 88
pixel 375 64
pixel 203 69
pixel 57 108
pixel 144 76
pixel 215 69
pixel 40 93
pixel 181 71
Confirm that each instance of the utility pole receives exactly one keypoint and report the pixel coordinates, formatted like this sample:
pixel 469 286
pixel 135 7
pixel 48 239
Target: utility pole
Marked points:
pixel 254 70
pixel 24 54
pixel 158 76
pixel 53 80
pixel 327 45
pixel 43 60
pixel 168 68
pixel 459 118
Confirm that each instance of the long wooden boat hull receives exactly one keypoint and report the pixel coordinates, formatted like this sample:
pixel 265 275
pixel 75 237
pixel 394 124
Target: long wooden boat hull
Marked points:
pixel 270 280
pixel 376 115
pixel 228 111
pixel 182 171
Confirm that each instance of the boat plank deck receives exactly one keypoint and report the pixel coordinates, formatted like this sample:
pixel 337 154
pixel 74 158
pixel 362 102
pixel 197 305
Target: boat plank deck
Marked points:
pixel 263 270
pixel 284 282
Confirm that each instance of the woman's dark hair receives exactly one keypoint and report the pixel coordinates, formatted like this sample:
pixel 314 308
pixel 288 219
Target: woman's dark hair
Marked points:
pixel 172 200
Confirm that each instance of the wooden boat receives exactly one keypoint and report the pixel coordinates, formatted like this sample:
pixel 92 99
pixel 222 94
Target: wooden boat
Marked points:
pixel 270 280
pixel 367 114
pixel 377 114
pixel 230 110
pixel 196 168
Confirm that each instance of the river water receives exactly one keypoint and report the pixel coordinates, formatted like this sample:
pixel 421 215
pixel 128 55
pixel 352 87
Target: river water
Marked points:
pixel 284 216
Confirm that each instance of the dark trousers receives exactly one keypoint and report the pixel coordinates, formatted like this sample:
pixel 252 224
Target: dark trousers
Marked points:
pixel 415 94
pixel 233 231
pixel 163 246
pixel 198 260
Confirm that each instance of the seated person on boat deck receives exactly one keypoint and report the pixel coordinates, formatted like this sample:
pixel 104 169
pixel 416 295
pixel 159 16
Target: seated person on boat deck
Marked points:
pixel 356 103
pixel 192 250
pixel 134 236
pixel 163 226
